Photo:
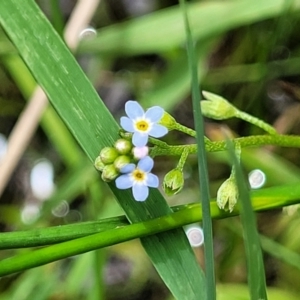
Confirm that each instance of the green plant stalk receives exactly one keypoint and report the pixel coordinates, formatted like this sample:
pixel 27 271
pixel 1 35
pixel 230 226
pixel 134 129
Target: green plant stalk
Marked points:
pixel 202 161
pixel 211 146
pixel 255 264
pixel 185 129
pixel 183 158
pixel 116 230
pixel 255 121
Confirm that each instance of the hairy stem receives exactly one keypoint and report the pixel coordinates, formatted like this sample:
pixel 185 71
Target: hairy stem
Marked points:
pixel 251 141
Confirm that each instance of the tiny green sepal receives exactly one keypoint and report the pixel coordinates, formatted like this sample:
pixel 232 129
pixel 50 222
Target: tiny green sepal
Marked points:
pixel 109 173
pixel 173 182
pixel 216 107
pixel 168 121
pixel 108 155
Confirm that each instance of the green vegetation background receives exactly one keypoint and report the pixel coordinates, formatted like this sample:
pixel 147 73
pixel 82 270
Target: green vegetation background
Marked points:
pixel 246 53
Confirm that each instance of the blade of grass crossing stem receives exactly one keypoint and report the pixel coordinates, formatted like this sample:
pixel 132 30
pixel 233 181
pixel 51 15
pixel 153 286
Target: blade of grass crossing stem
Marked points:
pixel 255 264
pixel 202 163
pixel 186 214
pixel 78 104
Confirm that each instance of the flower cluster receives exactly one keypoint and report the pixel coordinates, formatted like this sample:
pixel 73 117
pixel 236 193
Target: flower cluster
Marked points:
pixel 128 162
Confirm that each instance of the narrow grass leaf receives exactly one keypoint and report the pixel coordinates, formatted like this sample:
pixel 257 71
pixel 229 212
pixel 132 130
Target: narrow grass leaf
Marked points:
pixel 255 263
pixel 202 163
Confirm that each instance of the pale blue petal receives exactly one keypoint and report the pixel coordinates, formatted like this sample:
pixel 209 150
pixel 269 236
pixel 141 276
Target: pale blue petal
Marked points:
pixel 152 180
pixel 139 139
pixel 154 113
pixel 124 182
pixel 128 168
pixel 158 131
pixel 140 192
pixel 133 109
pixel 127 124
pixel 146 164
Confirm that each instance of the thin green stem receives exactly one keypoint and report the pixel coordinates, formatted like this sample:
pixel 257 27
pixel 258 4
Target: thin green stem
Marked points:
pixel 211 146
pixel 185 129
pixel 183 157
pixel 255 121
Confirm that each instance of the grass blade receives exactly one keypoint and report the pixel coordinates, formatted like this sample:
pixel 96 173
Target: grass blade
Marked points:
pixel 202 163
pixel 255 264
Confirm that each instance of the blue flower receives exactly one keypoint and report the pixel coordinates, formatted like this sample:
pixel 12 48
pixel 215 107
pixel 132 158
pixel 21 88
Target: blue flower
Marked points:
pixel 138 178
pixel 142 124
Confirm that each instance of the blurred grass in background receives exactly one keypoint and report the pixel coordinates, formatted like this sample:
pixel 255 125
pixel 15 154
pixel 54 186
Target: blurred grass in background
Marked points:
pixel 249 57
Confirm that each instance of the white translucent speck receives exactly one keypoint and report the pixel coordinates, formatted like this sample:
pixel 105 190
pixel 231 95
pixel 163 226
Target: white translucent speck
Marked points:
pixel 41 180
pixel 61 209
pixel 3 145
pixel 195 235
pixel 257 179
pixel 88 32
pixel 30 213
pixel 73 216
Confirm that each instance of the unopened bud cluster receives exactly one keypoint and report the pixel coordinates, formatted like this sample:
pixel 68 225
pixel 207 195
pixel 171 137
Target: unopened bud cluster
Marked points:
pixel 112 159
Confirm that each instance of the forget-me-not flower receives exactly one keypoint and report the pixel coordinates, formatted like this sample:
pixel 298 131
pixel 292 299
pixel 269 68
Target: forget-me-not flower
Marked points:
pixel 142 124
pixel 138 178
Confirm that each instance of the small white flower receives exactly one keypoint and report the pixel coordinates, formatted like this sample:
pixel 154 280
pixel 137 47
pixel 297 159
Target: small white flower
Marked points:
pixel 142 124
pixel 138 178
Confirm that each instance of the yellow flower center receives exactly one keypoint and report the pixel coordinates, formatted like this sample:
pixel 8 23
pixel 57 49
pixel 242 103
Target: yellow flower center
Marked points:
pixel 142 125
pixel 138 175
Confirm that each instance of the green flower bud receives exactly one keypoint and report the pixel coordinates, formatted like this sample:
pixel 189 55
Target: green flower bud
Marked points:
pixel 227 194
pixel 121 162
pixel 216 107
pixel 108 155
pixel 109 173
pixel 168 121
pixel 99 165
pixel 123 146
pixel 173 182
